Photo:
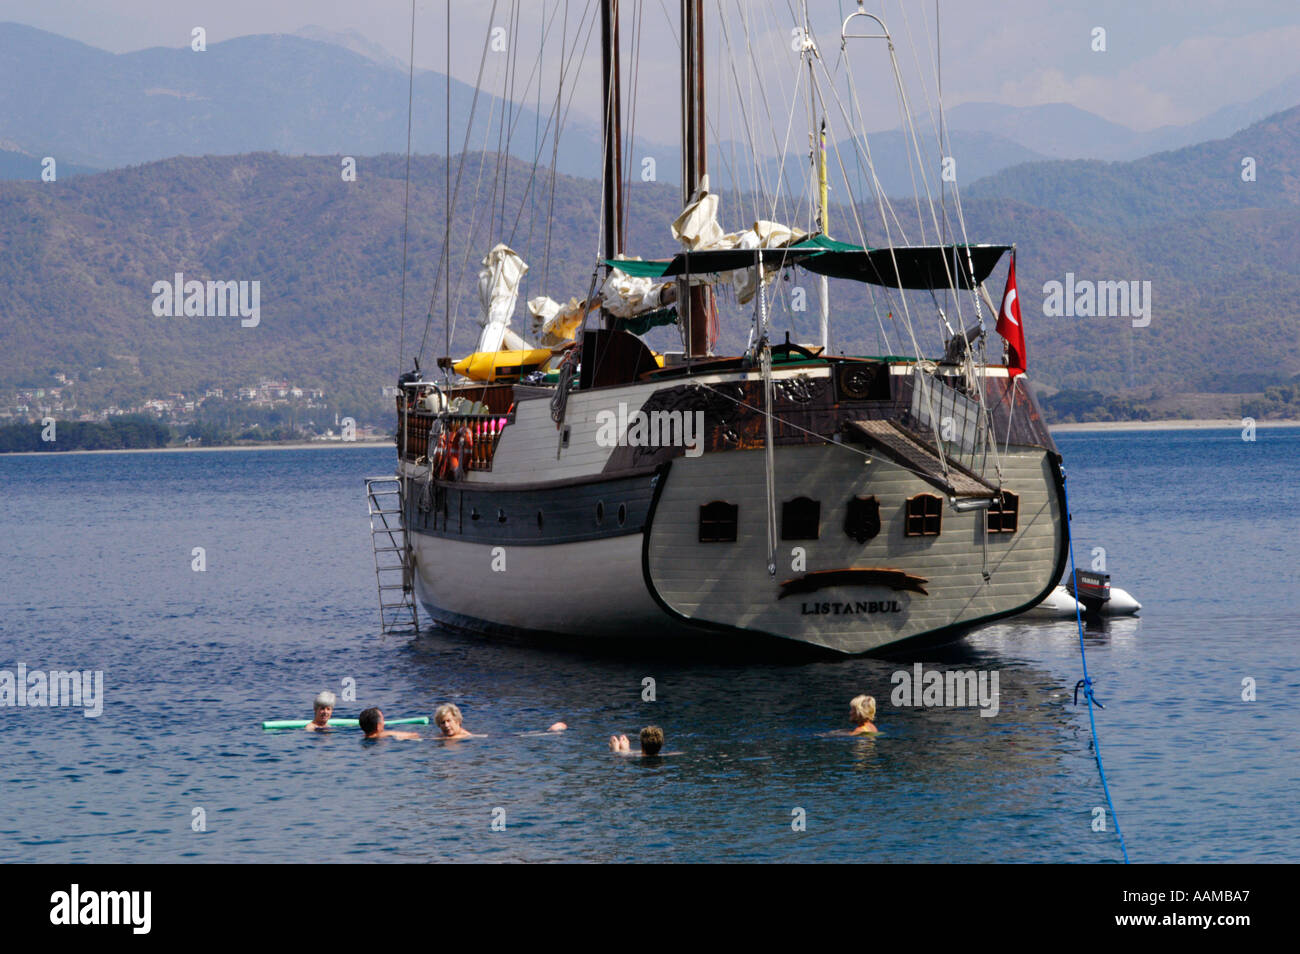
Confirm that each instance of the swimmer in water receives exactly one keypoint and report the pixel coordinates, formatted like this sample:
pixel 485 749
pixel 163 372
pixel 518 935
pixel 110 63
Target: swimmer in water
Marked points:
pixel 554 728
pixel 862 710
pixel 372 724
pixel 450 721
pixel 652 741
pixel 324 706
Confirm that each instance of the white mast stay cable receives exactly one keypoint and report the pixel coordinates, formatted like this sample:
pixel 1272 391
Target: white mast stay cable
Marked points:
pixel 926 391
pixel 769 402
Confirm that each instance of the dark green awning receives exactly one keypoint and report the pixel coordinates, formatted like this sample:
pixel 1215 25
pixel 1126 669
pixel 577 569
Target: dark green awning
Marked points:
pixel 918 266
pixel 912 266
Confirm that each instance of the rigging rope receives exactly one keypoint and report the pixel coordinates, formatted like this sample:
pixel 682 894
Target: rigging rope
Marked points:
pixel 406 197
pixel 555 152
pixel 483 155
pixel 444 259
pixel 446 205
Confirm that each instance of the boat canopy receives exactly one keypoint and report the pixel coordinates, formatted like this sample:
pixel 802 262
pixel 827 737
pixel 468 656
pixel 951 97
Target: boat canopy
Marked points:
pixel 918 266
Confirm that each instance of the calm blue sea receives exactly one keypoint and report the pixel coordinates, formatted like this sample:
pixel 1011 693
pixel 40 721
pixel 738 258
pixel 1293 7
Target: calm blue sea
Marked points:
pixel 96 567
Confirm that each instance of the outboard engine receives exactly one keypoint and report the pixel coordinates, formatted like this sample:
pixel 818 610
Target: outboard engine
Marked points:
pixel 410 377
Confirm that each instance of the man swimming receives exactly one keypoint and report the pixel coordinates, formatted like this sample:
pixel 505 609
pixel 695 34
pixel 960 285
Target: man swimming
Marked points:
pixel 372 724
pixel 324 708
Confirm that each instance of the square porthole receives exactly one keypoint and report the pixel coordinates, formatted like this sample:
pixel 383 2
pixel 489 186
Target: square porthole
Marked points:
pixel 924 516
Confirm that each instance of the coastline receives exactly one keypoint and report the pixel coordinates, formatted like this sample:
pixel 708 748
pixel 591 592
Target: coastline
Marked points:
pixel 273 446
pixel 1196 424
pixel 1173 425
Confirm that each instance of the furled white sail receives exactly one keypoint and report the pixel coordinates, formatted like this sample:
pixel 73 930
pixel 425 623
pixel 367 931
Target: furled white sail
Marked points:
pixel 626 296
pixel 697 228
pixel 498 290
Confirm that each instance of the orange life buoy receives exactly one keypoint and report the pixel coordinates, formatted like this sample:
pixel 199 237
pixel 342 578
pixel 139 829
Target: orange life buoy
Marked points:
pixel 463 444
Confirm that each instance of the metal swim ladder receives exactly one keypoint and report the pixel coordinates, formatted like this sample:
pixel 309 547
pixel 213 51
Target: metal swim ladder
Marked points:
pixel 393 564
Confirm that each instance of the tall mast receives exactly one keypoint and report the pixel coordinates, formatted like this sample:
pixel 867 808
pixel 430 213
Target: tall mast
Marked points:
pixel 821 191
pixel 612 174
pixel 694 160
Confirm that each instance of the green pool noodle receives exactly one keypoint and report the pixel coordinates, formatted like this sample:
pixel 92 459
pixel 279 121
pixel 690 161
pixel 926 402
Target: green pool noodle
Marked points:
pixel 341 723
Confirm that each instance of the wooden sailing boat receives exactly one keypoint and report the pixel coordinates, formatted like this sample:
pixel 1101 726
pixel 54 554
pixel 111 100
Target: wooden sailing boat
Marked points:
pixel 782 495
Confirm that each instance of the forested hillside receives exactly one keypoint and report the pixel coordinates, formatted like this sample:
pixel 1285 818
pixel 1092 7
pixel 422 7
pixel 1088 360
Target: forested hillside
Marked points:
pixel 79 259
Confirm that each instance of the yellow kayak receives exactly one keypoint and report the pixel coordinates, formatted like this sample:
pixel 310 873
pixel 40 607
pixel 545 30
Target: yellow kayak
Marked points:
pixel 501 365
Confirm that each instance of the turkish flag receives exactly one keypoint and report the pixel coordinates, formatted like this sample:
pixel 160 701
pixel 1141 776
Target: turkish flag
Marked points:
pixel 1009 326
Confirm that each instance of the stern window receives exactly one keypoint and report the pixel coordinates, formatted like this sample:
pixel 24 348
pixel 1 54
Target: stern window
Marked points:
pixel 801 519
pixel 1004 515
pixel 924 514
pixel 718 522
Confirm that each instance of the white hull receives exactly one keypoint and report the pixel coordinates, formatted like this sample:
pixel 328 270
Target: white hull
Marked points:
pixel 589 590
pixel 657 580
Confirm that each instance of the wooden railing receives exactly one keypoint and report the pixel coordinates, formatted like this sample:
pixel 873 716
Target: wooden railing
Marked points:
pixel 484 431
pixel 412 432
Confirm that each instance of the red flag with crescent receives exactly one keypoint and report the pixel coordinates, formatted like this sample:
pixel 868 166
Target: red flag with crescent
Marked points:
pixel 1009 326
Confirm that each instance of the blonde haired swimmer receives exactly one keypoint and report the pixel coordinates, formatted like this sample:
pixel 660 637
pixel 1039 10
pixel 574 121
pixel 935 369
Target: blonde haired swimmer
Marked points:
pixel 862 710
pixel 449 720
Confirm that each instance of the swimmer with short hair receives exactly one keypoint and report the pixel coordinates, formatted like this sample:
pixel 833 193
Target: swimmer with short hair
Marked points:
pixel 372 724
pixel 652 742
pixel 324 708
pixel 449 720
pixel 862 710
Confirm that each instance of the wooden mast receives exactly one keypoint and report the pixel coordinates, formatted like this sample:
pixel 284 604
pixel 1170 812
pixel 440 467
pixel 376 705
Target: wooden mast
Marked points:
pixel 612 174
pixel 694 162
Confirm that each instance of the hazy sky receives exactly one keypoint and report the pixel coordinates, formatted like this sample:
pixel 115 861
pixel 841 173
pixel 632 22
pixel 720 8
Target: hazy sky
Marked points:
pixel 1167 61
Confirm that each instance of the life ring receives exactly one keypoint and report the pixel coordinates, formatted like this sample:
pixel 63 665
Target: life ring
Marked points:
pixel 454 450
pixel 461 451
pixel 442 457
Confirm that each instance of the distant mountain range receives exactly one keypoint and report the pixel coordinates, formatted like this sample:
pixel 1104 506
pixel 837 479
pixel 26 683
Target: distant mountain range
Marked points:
pixel 279 93
pixel 1205 178
pixel 323 92
pixel 79 259
pixel 1062 131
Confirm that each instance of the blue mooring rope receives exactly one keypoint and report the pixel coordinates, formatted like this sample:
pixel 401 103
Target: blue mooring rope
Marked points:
pixel 1086 682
